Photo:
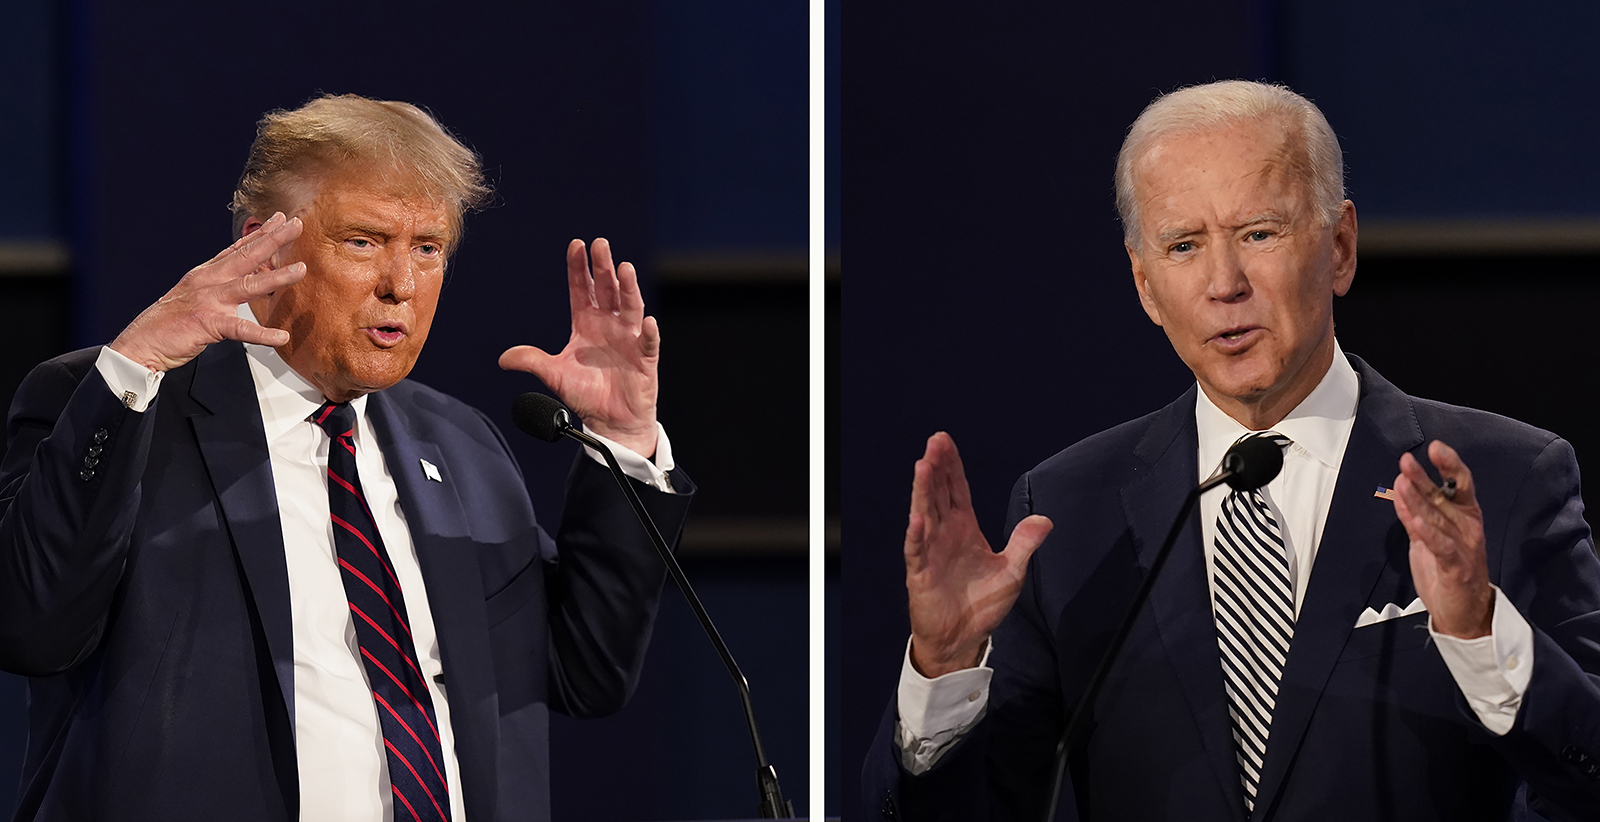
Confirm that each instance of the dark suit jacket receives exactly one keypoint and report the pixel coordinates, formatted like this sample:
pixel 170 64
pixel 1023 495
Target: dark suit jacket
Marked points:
pixel 144 590
pixel 1369 724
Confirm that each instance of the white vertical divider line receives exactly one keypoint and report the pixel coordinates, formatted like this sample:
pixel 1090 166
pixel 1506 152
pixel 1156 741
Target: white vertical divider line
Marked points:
pixel 817 290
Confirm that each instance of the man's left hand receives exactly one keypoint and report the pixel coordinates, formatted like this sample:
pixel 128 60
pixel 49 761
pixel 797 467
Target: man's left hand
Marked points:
pixel 1448 563
pixel 607 372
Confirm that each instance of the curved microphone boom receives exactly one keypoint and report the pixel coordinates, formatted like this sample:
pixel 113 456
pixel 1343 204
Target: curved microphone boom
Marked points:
pixel 544 417
pixel 1249 464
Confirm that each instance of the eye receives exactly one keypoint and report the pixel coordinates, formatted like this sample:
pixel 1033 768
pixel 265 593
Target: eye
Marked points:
pixel 430 250
pixel 1181 248
pixel 360 242
pixel 1260 235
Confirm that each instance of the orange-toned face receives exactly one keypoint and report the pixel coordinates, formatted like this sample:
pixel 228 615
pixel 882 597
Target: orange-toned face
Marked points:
pixel 1237 269
pixel 375 260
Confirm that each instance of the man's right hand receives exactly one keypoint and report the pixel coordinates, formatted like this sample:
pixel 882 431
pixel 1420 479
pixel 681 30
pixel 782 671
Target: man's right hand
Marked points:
pixel 959 588
pixel 203 307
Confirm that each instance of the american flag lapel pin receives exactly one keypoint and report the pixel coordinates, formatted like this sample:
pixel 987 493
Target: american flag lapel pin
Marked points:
pixel 430 471
pixel 1384 493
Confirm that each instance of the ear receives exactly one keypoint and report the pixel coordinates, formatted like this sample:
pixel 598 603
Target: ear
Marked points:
pixel 1142 285
pixel 1344 249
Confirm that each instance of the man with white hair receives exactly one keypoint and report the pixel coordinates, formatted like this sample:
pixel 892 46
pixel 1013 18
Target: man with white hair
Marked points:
pixel 1344 643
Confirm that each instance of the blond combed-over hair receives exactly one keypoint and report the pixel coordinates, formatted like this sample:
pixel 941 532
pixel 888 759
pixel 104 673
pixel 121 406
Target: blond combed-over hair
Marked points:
pixel 1313 149
pixel 402 143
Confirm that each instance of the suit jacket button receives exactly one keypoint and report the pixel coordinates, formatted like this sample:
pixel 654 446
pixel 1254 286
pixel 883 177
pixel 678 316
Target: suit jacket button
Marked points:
pixel 95 450
pixel 1574 755
pixel 86 475
pixel 888 810
pixel 90 462
pixel 101 436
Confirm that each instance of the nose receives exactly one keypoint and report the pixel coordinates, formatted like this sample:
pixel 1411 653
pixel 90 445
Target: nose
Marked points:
pixel 399 281
pixel 1227 281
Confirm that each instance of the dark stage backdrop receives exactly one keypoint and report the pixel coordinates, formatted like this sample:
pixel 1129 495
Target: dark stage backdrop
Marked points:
pixel 677 131
pixel 988 293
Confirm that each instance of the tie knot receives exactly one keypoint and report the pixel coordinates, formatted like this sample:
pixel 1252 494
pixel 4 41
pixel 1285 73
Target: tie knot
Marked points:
pixel 336 418
pixel 1274 437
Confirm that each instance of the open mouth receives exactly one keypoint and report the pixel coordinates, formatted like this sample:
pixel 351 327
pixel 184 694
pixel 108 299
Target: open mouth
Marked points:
pixel 1234 336
pixel 385 335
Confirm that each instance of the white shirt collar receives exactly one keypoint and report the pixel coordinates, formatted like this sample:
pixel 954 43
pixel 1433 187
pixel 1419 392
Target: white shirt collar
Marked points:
pixel 1319 425
pixel 286 398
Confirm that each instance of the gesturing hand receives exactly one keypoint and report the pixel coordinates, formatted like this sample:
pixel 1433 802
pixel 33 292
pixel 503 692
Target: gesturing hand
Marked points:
pixel 1448 563
pixel 607 372
pixel 202 308
pixel 959 588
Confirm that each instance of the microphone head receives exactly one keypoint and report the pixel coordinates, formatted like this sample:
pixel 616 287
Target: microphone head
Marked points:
pixel 1253 462
pixel 541 415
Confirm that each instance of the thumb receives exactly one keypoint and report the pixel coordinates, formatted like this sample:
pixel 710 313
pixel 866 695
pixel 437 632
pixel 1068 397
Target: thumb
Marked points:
pixel 1027 537
pixel 526 358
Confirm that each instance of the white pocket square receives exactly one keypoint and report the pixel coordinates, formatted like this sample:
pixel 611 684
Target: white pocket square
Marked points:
pixel 1390 611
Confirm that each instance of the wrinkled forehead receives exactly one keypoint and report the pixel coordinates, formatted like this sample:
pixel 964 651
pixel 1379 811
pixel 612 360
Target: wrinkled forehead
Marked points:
pixel 370 187
pixel 1254 155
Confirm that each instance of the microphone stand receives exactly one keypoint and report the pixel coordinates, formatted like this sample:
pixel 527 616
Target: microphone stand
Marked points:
pixel 772 804
pixel 1075 726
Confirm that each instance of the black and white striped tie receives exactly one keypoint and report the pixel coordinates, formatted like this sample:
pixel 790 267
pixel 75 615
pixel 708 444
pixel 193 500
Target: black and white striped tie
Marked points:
pixel 1255 621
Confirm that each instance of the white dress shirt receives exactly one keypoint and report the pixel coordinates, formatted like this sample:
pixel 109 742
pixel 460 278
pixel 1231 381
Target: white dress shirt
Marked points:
pixel 1493 671
pixel 343 770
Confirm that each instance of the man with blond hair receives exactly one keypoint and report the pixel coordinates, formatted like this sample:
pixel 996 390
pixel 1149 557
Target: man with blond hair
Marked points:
pixel 1343 643
pixel 256 574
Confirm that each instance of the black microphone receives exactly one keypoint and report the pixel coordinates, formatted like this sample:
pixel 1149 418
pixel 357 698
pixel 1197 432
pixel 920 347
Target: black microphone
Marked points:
pixel 1249 464
pixel 541 416
pixel 1252 462
pixel 544 417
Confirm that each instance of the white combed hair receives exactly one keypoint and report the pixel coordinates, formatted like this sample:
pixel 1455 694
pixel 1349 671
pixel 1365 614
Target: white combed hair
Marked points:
pixel 1314 149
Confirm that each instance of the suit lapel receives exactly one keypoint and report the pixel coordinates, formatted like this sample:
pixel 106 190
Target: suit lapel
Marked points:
pixel 1349 561
pixel 440 532
pixel 233 444
pixel 1181 598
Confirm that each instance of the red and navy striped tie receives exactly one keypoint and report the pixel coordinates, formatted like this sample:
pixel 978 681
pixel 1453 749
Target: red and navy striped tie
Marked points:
pixel 405 708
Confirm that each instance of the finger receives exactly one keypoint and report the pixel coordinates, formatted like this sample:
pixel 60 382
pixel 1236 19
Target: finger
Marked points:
pixel 943 461
pixel 261 246
pixel 264 281
pixel 271 224
pixel 1423 520
pixel 922 483
pixel 1426 498
pixel 650 338
pixel 1026 538
pixel 629 301
pixel 916 557
pixel 527 358
pixel 606 288
pixel 241 329
pixel 1451 466
pixel 580 292
pixel 960 492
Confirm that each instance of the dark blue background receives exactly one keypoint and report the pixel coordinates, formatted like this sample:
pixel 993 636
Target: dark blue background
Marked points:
pixel 988 292
pixel 669 128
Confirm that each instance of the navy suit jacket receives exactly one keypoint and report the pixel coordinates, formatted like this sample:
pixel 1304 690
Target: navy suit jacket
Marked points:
pixel 143 588
pixel 1369 724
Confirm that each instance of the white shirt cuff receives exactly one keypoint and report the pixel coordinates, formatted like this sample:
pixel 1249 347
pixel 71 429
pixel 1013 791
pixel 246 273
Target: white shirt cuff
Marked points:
pixel 936 713
pixel 1492 671
pixel 653 474
pixel 129 381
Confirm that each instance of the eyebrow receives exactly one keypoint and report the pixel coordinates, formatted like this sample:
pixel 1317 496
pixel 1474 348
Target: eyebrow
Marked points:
pixel 1174 234
pixel 435 234
pixel 1261 217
